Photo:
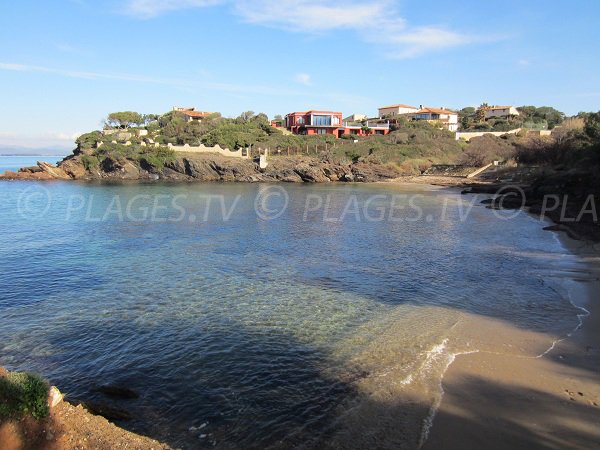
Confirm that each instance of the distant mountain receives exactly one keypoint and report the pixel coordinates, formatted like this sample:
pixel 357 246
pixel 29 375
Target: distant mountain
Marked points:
pixel 12 150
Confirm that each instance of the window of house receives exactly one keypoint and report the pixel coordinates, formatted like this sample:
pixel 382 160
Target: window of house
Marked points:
pixel 321 121
pixel 301 120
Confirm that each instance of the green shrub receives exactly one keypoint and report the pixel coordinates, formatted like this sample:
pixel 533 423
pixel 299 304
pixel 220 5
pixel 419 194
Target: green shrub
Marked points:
pixel 156 157
pixel 22 394
pixel 90 162
pixel 88 140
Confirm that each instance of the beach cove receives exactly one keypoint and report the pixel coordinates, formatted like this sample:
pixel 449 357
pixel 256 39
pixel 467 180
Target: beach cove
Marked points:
pixel 340 348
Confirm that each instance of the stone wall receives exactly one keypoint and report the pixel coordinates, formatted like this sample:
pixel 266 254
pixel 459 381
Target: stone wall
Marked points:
pixel 468 135
pixel 241 153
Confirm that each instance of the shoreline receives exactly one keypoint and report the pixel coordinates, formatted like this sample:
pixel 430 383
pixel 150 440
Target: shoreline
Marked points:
pixel 501 400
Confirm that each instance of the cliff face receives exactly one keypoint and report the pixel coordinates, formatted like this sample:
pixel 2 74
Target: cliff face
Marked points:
pixel 191 167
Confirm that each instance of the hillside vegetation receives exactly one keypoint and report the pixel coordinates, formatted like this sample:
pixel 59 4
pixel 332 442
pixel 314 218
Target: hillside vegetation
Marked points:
pixel 411 147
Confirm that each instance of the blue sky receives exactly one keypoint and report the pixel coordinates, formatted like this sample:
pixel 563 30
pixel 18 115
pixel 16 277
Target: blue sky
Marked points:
pixel 65 64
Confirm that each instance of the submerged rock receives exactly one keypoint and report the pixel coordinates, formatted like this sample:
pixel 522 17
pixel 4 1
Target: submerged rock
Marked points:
pixel 118 392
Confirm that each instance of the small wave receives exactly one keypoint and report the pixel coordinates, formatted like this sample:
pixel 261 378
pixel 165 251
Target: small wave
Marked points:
pixel 450 357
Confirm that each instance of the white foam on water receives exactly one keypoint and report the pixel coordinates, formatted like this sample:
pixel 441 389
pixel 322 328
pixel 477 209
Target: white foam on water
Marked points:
pixel 449 359
pixel 580 317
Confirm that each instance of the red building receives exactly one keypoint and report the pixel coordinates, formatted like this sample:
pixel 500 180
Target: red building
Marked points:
pixel 314 122
pixel 330 122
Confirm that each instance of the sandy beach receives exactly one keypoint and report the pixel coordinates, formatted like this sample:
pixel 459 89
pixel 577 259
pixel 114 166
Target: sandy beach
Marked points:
pixel 513 398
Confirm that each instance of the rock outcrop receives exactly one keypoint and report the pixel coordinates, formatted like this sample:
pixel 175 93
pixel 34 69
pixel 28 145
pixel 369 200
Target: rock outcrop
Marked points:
pixel 209 168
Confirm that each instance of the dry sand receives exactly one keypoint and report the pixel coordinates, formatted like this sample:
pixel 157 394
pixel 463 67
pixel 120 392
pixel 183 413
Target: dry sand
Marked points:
pixel 512 399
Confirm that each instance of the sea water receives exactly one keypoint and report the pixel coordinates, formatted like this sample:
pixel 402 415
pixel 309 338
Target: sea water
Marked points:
pixel 14 163
pixel 258 316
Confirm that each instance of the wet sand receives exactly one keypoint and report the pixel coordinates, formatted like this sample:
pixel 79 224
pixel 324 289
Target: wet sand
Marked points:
pixel 512 399
pixel 517 388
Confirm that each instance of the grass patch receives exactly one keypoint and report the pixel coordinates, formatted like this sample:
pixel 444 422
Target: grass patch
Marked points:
pixel 23 394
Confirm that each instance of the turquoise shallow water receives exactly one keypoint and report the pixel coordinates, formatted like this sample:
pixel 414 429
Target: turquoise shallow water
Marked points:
pixel 216 314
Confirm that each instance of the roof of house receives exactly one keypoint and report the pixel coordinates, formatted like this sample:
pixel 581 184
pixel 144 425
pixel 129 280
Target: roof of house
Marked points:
pixel 492 108
pixel 398 106
pixel 313 111
pixel 195 113
pixel 434 111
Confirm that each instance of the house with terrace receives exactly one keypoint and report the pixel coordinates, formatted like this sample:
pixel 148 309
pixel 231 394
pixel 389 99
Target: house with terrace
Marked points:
pixel 315 122
pixel 365 127
pixel 442 117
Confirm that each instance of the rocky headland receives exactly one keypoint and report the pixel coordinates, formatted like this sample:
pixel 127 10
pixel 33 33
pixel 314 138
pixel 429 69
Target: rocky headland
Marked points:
pixel 203 167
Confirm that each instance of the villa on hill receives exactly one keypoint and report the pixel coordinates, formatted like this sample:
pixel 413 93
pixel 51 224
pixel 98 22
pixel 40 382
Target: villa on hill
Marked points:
pixel 315 122
pixel 396 110
pixel 444 117
pixel 191 114
pixel 492 112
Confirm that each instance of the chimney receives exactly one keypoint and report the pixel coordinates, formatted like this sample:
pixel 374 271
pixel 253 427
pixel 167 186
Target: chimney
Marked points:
pixel 420 106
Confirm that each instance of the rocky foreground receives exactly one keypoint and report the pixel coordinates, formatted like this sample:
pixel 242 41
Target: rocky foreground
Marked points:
pixel 67 427
pixel 194 167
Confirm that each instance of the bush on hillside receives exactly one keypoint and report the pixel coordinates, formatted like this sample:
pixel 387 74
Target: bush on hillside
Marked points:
pixel 23 394
pixel 488 148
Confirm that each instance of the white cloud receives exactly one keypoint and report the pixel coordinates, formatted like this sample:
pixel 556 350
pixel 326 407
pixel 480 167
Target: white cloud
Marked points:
pixel 377 22
pixel 309 15
pixel 151 8
pixel 303 78
pixel 416 41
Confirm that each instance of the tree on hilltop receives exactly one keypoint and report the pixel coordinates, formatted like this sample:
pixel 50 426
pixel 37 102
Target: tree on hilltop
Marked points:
pixel 246 116
pixel 124 119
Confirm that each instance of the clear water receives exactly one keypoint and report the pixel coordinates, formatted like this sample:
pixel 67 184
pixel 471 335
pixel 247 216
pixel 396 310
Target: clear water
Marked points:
pixel 14 163
pixel 256 327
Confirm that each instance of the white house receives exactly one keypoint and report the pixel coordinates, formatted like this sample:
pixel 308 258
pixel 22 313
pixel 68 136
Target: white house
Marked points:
pixel 396 110
pixel 500 111
pixel 444 117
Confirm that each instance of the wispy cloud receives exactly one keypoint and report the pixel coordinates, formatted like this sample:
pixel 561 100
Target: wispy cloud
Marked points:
pixel 151 8
pixel 378 22
pixel 178 83
pixel 303 78
pixel 310 16
pixel 416 41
